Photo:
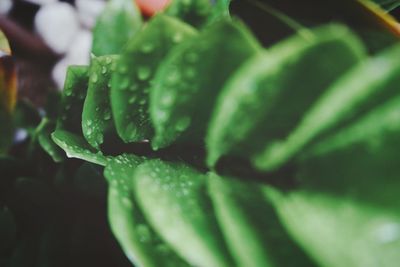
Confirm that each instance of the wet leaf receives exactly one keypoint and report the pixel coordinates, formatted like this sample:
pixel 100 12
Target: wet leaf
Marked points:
pixel 43 135
pixel 251 226
pixel 73 97
pixel 370 83
pixel 135 70
pixel 97 121
pixel 77 147
pixel 189 80
pixel 141 244
pixel 267 97
pixel 174 199
pixel 119 22
pixel 346 211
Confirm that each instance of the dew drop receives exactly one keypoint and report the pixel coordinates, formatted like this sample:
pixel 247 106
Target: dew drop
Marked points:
pixel 95 78
pixel 182 124
pixel 147 48
pixel 144 73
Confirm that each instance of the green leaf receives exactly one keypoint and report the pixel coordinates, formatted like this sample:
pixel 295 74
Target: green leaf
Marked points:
pixel 250 225
pixel 346 211
pixel 141 244
pixel 198 12
pixel 388 4
pixel 365 86
pixel 97 121
pixel 43 135
pixel 134 71
pixel 73 97
pixel 191 77
pixel 267 97
pixel 174 199
pixel 77 147
pixel 119 22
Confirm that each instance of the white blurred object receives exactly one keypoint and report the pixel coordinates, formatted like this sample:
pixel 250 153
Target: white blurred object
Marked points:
pixel 88 10
pixel 79 51
pixel 5 6
pixel 57 24
pixel 78 54
pixel 60 72
pixel 41 2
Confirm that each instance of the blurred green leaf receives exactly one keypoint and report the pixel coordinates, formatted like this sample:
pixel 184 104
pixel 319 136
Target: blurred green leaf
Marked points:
pixel 135 70
pixel 118 23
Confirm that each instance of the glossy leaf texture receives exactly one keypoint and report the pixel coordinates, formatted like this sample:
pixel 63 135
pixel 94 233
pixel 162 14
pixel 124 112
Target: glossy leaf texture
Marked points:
pixel 183 213
pixel 118 23
pixel 140 242
pixel 97 121
pixel 198 13
pixel 76 146
pixel 349 194
pixel 135 69
pixel 251 226
pixel 190 78
pixel 267 97
pixel 365 86
pixel 43 135
pixel 73 97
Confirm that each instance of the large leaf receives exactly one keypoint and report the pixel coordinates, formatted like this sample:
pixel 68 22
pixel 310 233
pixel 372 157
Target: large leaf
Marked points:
pixel 134 71
pixel 369 84
pixel 267 97
pixel 189 80
pixel 119 21
pixel 250 225
pixel 140 242
pixel 174 199
pixel 97 121
pixel 346 210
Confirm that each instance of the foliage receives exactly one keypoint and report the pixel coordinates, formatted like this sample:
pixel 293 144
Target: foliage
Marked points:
pixel 218 151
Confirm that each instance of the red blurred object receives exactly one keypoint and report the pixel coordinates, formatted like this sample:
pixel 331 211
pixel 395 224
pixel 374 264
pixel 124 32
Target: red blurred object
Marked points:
pixel 150 7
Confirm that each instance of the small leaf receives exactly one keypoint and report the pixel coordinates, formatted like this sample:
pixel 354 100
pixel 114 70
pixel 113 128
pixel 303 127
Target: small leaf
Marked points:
pixel 97 121
pixel 198 12
pixel 250 225
pixel 77 147
pixel 135 70
pixel 73 97
pixel 43 135
pixel 370 83
pixel 140 242
pixel 191 77
pixel 119 22
pixel 346 210
pixel 174 200
pixel 268 96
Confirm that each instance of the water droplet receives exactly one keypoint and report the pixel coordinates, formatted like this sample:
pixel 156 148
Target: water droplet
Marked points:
pixel 108 60
pixel 182 124
pixel 103 70
pixel 177 37
pixel 190 73
pixel 107 115
pixel 95 78
pixel 144 73
pixel 167 99
pixel 124 83
pixel 132 99
pixel 148 48
pixel 123 69
pixel 143 233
